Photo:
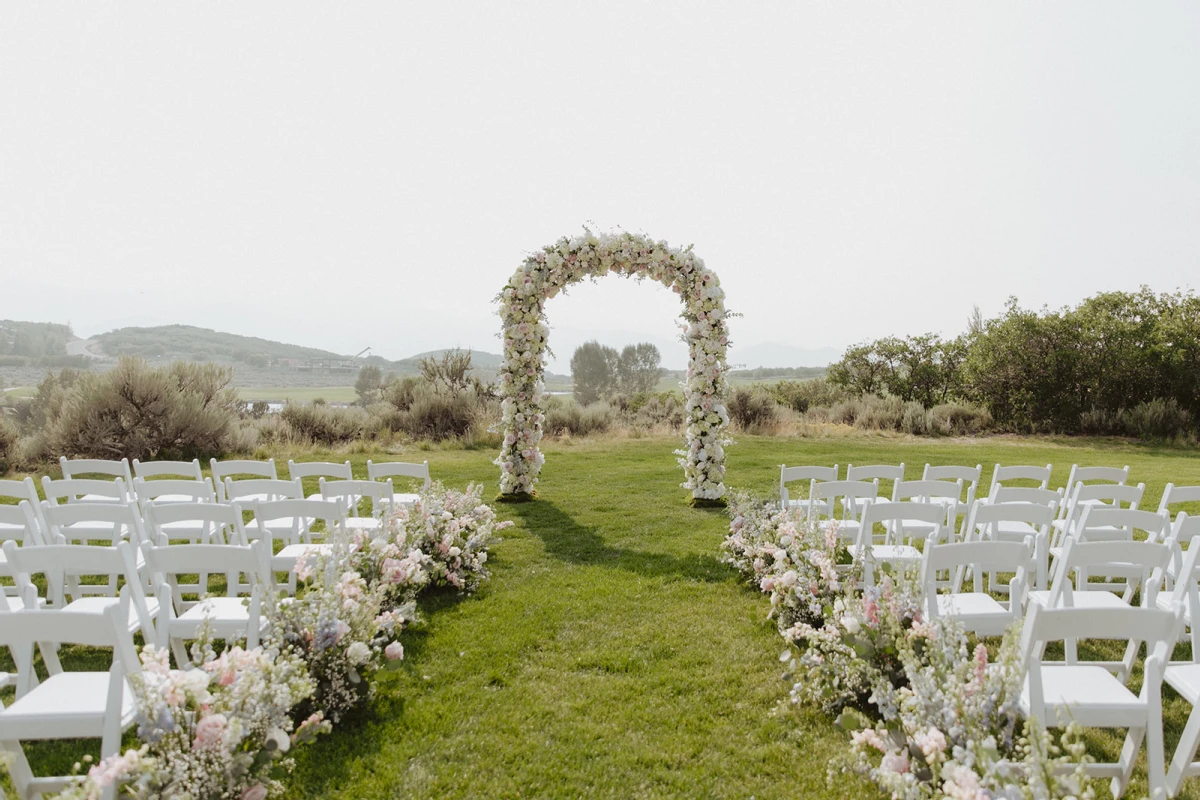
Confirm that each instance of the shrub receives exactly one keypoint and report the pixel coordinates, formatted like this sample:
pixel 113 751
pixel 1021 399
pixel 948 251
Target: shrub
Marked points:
pixel 323 424
pixel 802 395
pixel 577 420
pixel 752 408
pixel 1156 419
pixel 661 409
pixel 401 393
pixel 916 420
pixel 183 411
pixel 8 445
pixel 960 419
pixel 440 415
pixel 881 414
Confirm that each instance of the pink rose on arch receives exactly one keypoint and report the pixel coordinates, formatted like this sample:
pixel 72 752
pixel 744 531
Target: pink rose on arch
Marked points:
pixel 255 792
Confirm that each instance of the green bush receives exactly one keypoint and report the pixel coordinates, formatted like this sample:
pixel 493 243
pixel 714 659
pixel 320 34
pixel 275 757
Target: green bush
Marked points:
pixel 881 414
pixel 752 408
pixel 802 395
pixel 8 445
pixel 182 411
pixel 400 393
pixel 323 424
pixel 563 417
pixel 1157 419
pixel 960 419
pixel 439 416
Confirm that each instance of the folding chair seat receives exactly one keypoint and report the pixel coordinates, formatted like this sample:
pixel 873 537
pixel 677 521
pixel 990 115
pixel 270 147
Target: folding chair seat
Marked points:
pixel 232 617
pixel 77 468
pixel 224 471
pixel 400 469
pixel 172 491
pixel 812 475
pixel 64 565
pixel 1089 694
pixel 1016 530
pixel 66 705
pixel 899 545
pixel 250 492
pixel 976 610
pixel 943 493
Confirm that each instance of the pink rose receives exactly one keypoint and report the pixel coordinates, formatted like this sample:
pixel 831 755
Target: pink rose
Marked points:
pixel 394 651
pixel 255 792
pixel 209 731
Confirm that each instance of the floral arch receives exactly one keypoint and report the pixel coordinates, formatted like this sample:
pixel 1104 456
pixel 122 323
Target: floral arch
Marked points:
pixel 522 309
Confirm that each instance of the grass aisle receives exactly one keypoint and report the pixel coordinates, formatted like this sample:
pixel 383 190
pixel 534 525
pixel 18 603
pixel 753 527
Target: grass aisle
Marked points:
pixel 611 655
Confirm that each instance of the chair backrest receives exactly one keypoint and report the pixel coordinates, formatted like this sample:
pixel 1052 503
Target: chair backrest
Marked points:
pixel 968 475
pixel 1026 494
pixel 222 470
pixel 64 564
pixel 1101 523
pixel 826 493
pixel 185 491
pixel 399 469
pixel 71 490
pixel 985 515
pixel 19 524
pixel 78 467
pixel 109 522
pixel 258 487
pixel 1084 475
pixel 182 469
pixel 219 522
pixel 810 475
pixel 23 489
pixel 1021 472
pixel 232 560
pixel 1177 495
pixel 1044 624
pixel 1110 494
pixel 378 492
pixel 320 469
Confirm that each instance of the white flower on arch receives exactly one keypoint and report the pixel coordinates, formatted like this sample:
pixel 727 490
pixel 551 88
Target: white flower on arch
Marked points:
pixel 522 310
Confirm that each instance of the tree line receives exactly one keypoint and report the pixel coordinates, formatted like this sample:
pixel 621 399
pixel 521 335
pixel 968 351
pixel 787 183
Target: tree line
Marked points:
pixel 1118 363
pixel 600 372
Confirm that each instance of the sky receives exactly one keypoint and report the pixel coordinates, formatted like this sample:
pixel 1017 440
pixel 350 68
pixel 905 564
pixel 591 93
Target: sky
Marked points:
pixel 370 174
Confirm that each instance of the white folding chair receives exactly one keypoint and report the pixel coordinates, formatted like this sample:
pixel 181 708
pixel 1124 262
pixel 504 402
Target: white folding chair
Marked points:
pixel 230 617
pixel 351 493
pixel 75 468
pixel 66 705
pixel 812 475
pixel 968 475
pixel 1020 472
pixel 24 489
pixel 1084 476
pixel 1181 569
pixel 976 610
pixel 852 495
pixel 65 565
pixel 400 469
pixel 1089 694
pixel 19 526
pixel 298 470
pixel 252 491
pixel 195 523
pixel 86 490
pixel 1184 676
pixel 1089 497
pixel 1178 495
pixel 298 517
pixel 943 493
pixel 1014 522
pixel 224 471
pixel 876 473
pixel 899 543
pixel 171 490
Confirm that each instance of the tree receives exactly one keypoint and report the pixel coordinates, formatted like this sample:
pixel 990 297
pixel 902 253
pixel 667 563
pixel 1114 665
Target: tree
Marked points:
pixel 638 368
pixel 594 371
pixel 370 380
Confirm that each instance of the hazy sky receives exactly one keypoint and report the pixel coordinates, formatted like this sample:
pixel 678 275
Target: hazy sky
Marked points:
pixel 353 175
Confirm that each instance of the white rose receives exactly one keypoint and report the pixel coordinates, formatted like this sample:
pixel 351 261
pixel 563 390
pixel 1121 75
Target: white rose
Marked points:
pixel 851 624
pixel 358 653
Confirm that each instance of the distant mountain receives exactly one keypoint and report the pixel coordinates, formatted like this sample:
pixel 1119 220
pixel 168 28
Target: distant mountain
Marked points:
pixel 189 343
pixel 774 354
pixel 479 359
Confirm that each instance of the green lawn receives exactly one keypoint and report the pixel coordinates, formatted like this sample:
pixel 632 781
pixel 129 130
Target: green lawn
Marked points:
pixel 612 655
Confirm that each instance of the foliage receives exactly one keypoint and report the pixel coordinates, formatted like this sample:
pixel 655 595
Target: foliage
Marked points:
pixel 214 732
pixel 368 385
pixel 438 416
pixel 182 411
pixel 752 409
pixel 33 341
pixel 638 368
pixel 562 417
pixel 922 369
pixel 594 372
pixel 8 445
pixel 322 424
pixel 802 395
pixel 452 373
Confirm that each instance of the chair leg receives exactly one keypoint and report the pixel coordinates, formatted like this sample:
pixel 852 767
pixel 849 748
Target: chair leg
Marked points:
pixel 1129 751
pixel 1185 752
pixel 18 768
pixel 180 652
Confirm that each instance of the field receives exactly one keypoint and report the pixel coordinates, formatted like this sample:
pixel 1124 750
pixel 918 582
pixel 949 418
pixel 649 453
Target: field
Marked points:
pixel 299 394
pixel 613 655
